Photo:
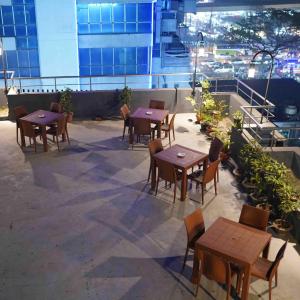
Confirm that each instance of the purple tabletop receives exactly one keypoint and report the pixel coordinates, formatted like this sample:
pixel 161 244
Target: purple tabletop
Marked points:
pixel 155 115
pixel 42 117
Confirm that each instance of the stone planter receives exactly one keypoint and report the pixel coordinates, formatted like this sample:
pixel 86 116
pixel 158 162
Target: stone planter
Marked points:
pixel 248 186
pixel 282 226
pixel 255 199
pixel 264 206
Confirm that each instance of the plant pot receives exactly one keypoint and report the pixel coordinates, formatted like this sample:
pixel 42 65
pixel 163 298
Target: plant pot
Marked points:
pixel 282 226
pixel 199 118
pixel 69 116
pixel 248 186
pixel 256 199
pixel 264 206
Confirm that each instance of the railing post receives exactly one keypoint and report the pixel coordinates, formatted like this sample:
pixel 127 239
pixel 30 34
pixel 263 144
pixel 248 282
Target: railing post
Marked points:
pixel 20 85
pixel 90 83
pixel 125 80
pixel 55 84
pixel 216 86
pixel 237 86
pixel 158 81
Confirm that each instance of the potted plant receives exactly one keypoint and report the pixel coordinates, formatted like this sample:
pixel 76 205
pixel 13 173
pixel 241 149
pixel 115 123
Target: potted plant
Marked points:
pixel 238 120
pixel 66 103
pixel 126 96
pixel 225 138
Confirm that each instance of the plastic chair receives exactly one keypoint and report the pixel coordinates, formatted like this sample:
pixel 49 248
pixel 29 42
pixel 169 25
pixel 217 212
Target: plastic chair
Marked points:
pixel 30 131
pixel 157 104
pixel 154 146
pixel 60 129
pixel 168 127
pixel 125 113
pixel 215 268
pixel 254 217
pixel 141 127
pixel 20 111
pixel 209 174
pixel 167 172
pixel 195 227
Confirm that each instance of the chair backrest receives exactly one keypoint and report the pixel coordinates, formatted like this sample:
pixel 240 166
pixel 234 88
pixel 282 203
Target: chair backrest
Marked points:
pixel 61 125
pixel 215 148
pixel 166 171
pixel 155 146
pixel 124 111
pixel 211 171
pixel 277 260
pixel 27 128
pixel 157 104
pixel 194 224
pixel 172 121
pixel 141 126
pixel 55 107
pixel 20 111
pixel 254 217
pixel 215 268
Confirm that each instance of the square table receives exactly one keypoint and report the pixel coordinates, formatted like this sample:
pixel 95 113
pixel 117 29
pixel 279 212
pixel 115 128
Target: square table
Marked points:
pixel 33 118
pixel 191 158
pixel 234 242
pixel 156 116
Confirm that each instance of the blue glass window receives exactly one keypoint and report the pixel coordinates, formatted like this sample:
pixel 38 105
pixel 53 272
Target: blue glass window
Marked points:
pixel 83 28
pixel 130 27
pixel 130 69
pixel 34 58
pixel 21 43
pixel 118 10
pixel 31 29
pixel 119 70
pixel 82 14
pixel 84 57
pixel 30 14
pixel 106 12
pixel 35 72
pixel 23 58
pixel 95 56
pixel 24 72
pixel 107 56
pixel 21 31
pixel 94 13
pixel 32 42
pixel 131 56
pixel 9 30
pixel 95 28
pixel 19 15
pixel 108 70
pixel 12 61
pixel 142 69
pixel 119 27
pixel 84 71
pixel 130 12
pixel 7 15
pixel 17 1
pixel 142 55
pixel 144 27
pixel 107 28
pixel 29 1
pixel 119 55
pixel 145 12
pixel 96 70
pixel 1 31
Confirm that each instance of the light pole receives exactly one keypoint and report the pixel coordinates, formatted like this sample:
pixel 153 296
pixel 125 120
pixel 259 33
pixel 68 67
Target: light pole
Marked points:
pixel 3 65
pixel 251 73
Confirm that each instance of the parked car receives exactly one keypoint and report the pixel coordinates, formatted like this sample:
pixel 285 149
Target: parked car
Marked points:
pixel 225 68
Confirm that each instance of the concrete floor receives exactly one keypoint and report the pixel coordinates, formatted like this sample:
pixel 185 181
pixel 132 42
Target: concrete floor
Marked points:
pixel 82 224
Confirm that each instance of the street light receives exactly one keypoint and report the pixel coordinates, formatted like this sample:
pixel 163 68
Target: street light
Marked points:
pixel 3 65
pixel 251 73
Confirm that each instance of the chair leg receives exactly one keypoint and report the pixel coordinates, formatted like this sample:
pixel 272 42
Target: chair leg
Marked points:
pixel 170 139
pixel 34 141
pixel 185 257
pixel 175 188
pixel 67 134
pixel 198 283
pixel 123 132
pixel 215 184
pixel 173 134
pixel 239 282
pixel 202 193
pixel 218 174
pixel 276 278
pixel 17 134
pixel 150 170
pixel 270 289
pixel 156 188
pixel 57 143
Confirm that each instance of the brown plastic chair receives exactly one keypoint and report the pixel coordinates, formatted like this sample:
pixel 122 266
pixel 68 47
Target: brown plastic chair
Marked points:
pixel 254 217
pixel 154 146
pixel 56 107
pixel 266 269
pixel 141 127
pixel 194 224
pixel 157 104
pixel 209 175
pixel 20 111
pixel 168 127
pixel 58 130
pixel 30 131
pixel 125 113
pixel 167 172
pixel 215 268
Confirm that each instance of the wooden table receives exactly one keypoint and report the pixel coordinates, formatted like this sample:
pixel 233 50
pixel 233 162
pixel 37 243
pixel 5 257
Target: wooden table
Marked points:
pixel 191 158
pixel 34 119
pixel 235 243
pixel 156 116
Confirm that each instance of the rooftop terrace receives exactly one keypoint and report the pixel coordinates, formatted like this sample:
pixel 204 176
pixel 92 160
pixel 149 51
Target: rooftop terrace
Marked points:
pixel 83 224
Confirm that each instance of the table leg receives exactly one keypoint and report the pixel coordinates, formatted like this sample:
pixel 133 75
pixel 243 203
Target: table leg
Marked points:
pixel 246 282
pixel 44 137
pixel 22 136
pixel 153 175
pixel 130 133
pixel 195 274
pixel 266 251
pixel 159 130
pixel 183 185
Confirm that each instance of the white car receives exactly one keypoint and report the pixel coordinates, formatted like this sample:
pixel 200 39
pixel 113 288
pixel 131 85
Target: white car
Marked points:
pixel 225 68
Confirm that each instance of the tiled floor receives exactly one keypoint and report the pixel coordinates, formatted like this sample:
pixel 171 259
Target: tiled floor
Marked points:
pixel 82 224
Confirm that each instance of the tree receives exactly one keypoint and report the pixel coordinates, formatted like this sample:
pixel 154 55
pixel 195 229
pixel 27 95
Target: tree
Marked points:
pixel 271 29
